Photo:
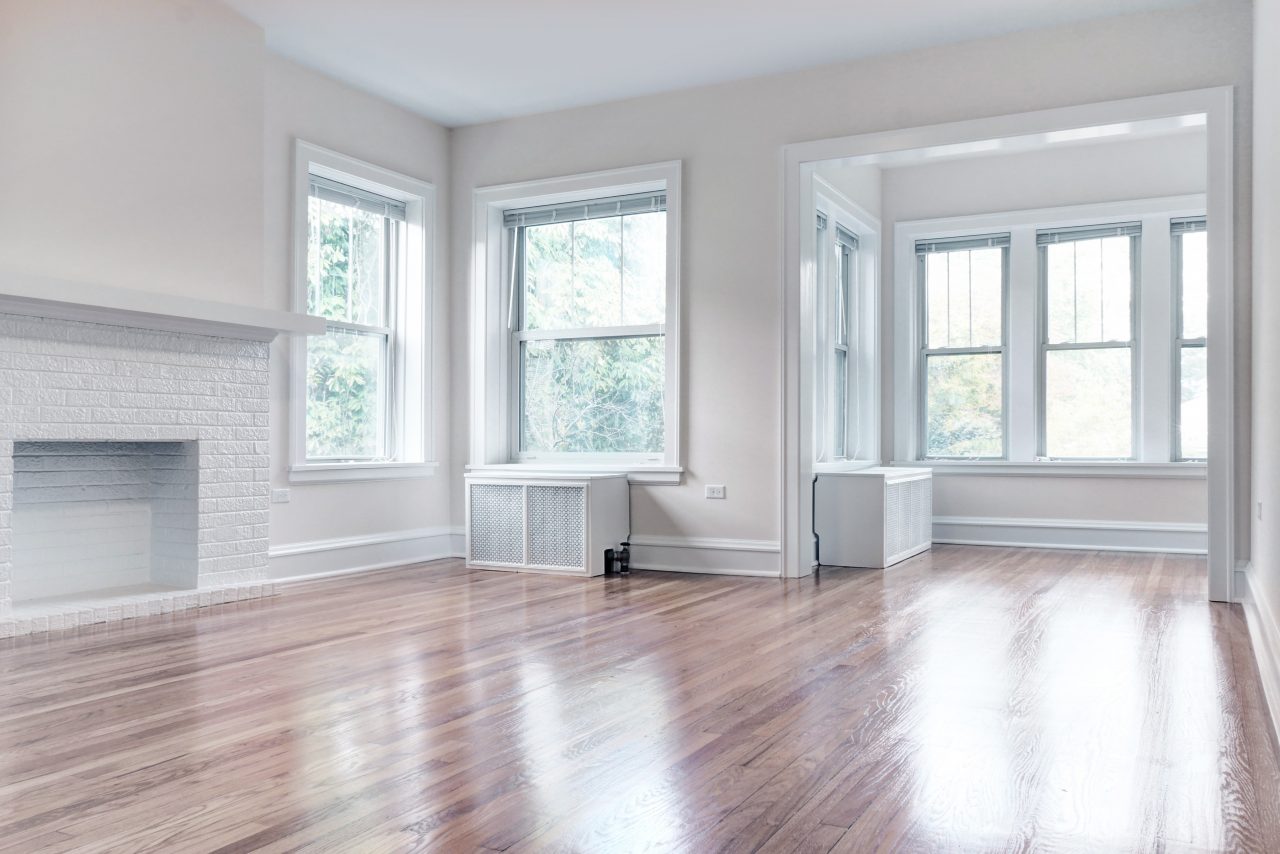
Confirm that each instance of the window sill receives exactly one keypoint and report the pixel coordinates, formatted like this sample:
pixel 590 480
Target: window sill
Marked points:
pixel 843 465
pixel 1191 471
pixel 346 472
pixel 635 474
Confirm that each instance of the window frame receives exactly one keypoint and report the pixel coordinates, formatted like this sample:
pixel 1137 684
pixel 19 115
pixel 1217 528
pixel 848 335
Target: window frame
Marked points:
pixel 837 213
pixel 496 375
pixel 1179 342
pixel 1133 344
pixel 1153 369
pixel 407 365
pixel 922 332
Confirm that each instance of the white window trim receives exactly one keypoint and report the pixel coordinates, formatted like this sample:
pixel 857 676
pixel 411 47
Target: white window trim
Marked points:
pixel 491 380
pixel 842 211
pixel 413 391
pixel 1153 356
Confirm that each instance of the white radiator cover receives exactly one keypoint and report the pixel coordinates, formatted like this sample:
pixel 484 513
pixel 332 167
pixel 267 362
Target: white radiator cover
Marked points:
pixel 873 517
pixel 552 523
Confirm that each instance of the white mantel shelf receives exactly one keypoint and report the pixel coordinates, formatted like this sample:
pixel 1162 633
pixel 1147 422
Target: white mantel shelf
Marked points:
pixel 38 296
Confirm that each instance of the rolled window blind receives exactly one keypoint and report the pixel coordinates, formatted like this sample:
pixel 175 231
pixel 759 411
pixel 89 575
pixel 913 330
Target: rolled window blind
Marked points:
pixel 592 209
pixel 344 194
pixel 1088 232
pixel 822 220
pixel 956 244
pixel 848 238
pixel 1187 225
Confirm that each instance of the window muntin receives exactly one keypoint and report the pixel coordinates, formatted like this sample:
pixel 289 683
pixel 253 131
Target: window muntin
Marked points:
pixel 1190 243
pixel 963 283
pixel 589 341
pixel 354 264
pixel 1087 391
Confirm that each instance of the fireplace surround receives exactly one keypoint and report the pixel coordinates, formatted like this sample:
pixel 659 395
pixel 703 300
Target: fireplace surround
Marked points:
pixel 133 458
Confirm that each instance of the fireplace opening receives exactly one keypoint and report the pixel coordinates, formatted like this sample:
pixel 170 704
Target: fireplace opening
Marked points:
pixel 103 518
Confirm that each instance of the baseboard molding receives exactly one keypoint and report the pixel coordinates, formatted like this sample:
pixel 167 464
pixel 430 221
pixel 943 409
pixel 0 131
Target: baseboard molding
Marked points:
pixel 707 555
pixel 1264 633
pixel 346 555
pixel 1091 535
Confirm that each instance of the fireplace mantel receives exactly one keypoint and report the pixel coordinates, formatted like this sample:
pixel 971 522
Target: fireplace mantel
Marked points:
pixel 38 296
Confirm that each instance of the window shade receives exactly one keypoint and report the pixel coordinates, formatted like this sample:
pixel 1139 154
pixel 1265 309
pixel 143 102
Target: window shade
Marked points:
pixel 955 244
pixel 1187 225
pixel 822 220
pixel 1088 232
pixel 343 194
pixel 848 238
pixel 592 209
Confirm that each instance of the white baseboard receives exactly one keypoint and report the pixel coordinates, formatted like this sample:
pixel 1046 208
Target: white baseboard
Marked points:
pixel 1167 537
pixel 711 556
pixel 1264 633
pixel 344 555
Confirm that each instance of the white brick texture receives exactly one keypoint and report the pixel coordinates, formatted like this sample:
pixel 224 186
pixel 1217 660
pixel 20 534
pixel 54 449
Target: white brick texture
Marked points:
pixel 93 384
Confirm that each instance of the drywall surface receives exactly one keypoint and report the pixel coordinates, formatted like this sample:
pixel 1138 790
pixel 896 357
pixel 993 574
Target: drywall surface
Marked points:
pixel 132 149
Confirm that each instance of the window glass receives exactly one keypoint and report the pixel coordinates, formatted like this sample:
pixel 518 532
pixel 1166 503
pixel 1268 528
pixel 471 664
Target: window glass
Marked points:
pixel 1089 288
pixel 1089 403
pixel 579 392
pixel 347 263
pixel 346 411
pixel 602 395
pixel 965 405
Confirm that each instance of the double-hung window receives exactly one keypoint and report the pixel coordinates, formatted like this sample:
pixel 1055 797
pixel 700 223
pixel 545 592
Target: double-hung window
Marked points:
pixel 354 268
pixel 1088 334
pixel 587 318
pixel 361 263
pixel 964 285
pixel 1189 238
pixel 843 308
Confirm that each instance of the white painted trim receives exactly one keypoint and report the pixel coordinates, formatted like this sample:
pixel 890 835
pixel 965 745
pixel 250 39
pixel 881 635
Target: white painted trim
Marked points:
pixel 796 283
pixel 706 555
pixel 41 296
pixel 489 388
pixel 1048 468
pixel 1087 534
pixel 412 394
pixel 340 555
pixel 1264 635
pixel 746 573
pixel 771 546
pixel 635 474
pixel 346 472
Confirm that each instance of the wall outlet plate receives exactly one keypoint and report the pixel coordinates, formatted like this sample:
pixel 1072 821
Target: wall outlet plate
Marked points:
pixel 279 496
pixel 715 490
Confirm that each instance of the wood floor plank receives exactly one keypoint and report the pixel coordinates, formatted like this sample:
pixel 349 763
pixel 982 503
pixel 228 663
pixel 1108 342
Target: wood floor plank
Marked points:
pixel 970 699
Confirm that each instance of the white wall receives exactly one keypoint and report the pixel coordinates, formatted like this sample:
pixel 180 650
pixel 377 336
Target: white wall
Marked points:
pixel 1266 318
pixel 1116 171
pixel 149 144
pixel 729 138
pixel 131 153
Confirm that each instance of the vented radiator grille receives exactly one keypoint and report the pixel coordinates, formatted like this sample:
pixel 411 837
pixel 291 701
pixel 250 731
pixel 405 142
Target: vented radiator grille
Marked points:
pixel 908 515
pixel 528 525
pixel 497 523
pixel 557 525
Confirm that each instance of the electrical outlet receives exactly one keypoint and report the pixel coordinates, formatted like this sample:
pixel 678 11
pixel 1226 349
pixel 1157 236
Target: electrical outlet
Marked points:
pixel 1259 509
pixel 279 496
pixel 715 491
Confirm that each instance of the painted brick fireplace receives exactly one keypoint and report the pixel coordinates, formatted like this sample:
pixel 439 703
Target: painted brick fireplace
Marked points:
pixel 141 456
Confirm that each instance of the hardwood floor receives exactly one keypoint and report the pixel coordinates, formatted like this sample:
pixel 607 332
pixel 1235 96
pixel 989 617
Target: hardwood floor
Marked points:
pixel 973 699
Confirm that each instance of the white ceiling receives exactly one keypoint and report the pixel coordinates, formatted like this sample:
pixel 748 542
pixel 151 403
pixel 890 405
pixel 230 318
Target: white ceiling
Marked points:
pixel 468 61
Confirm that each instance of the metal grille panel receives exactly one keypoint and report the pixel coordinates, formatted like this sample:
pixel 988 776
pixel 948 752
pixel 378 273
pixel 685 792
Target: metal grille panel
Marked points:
pixel 497 523
pixel 557 526
pixel 908 515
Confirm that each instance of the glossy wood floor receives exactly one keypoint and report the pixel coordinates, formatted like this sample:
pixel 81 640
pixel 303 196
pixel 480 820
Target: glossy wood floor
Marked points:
pixel 973 699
